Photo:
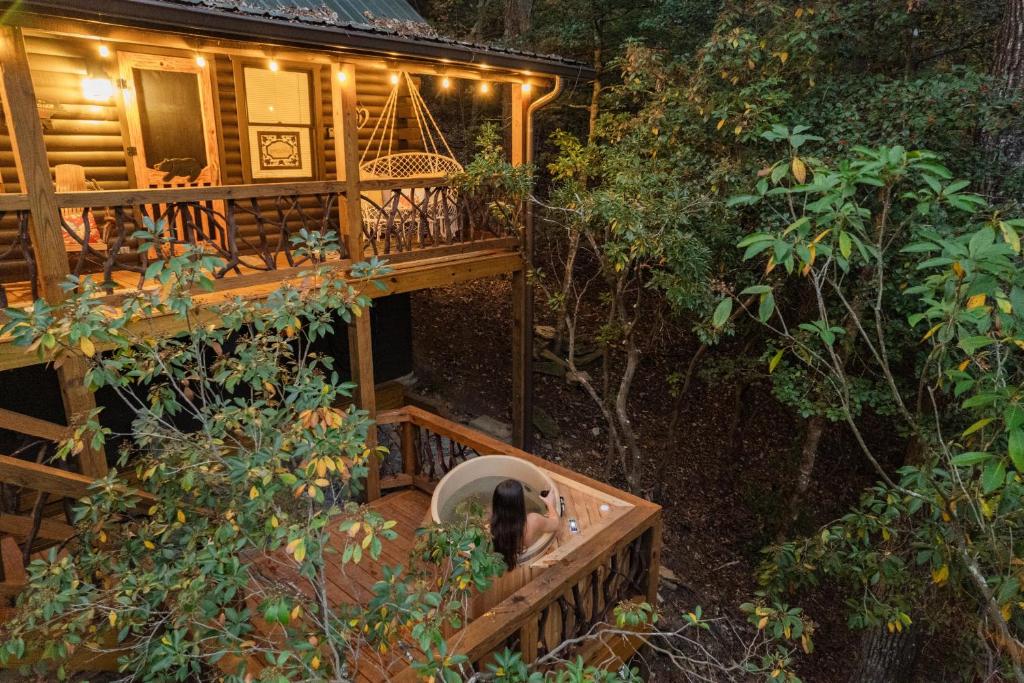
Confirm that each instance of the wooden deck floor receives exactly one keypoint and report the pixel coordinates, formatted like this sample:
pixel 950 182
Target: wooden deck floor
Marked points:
pixel 352 584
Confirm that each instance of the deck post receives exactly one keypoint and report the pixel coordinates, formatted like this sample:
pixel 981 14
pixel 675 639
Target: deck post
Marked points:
pixel 522 290
pixel 651 548
pixel 26 132
pixel 360 341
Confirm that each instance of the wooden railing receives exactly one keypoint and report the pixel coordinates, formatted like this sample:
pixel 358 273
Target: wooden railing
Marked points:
pixel 250 227
pixel 575 594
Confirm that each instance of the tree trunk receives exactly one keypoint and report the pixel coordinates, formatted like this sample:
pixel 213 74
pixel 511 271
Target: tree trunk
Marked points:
pixel 887 657
pixel 595 93
pixel 1008 69
pixel 672 441
pixel 813 432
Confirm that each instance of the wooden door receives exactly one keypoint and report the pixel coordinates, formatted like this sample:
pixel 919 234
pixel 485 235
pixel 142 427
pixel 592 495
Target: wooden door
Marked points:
pixel 172 138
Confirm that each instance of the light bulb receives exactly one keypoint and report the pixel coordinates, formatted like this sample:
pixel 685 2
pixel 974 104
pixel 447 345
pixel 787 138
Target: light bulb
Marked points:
pixel 104 51
pixel 97 89
pixel 485 87
pixel 527 87
pixel 394 79
pixel 273 65
pixel 342 76
pixel 446 83
pixel 201 61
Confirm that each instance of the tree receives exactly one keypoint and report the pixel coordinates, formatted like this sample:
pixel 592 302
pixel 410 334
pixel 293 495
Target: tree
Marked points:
pixel 949 518
pixel 238 441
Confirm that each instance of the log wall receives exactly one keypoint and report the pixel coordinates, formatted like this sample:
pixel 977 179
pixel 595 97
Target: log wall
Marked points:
pixel 78 131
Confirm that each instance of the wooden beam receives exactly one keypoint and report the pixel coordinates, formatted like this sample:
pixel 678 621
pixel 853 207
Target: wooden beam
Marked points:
pixel 49 529
pixel 406 277
pixel 25 424
pixel 522 292
pixel 26 135
pixel 32 475
pixel 360 340
pixel 43 478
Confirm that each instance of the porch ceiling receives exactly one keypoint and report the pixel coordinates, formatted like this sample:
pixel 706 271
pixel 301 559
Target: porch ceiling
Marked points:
pixel 317 25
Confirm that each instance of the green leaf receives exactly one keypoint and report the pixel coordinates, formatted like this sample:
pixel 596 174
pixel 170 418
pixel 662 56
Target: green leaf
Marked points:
pixel 970 458
pixel 993 476
pixel 767 307
pixel 977 425
pixel 1016 448
pixel 845 245
pixel 774 362
pixel 722 312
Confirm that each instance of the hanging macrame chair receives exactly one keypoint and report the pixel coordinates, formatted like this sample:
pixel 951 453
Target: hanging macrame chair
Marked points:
pixel 403 211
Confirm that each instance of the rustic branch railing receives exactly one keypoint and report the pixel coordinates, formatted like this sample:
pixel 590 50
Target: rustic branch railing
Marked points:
pixel 579 591
pixel 420 215
pixel 248 226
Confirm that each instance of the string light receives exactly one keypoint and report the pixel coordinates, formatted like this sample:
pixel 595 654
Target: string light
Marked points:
pixel 527 87
pixel 201 61
pixel 104 51
pixel 273 65
pixel 446 83
pixel 394 78
pixel 342 76
pixel 485 87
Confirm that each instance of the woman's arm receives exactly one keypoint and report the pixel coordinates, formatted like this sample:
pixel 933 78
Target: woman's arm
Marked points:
pixel 549 522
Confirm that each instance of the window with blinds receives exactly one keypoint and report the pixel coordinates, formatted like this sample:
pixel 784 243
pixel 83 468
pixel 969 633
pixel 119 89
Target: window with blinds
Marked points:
pixel 280 123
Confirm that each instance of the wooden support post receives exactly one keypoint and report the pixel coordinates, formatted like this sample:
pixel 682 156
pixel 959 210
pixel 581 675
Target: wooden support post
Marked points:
pixel 652 549
pixel 409 461
pixel 360 341
pixel 26 133
pixel 522 292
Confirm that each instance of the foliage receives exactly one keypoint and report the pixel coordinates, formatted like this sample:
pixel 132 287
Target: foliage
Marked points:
pixel 243 461
pixel 885 231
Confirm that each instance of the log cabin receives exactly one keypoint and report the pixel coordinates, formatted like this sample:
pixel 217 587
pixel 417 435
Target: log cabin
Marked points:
pixel 234 124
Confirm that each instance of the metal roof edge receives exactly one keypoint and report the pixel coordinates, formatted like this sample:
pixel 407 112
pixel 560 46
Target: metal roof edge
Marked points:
pixel 213 23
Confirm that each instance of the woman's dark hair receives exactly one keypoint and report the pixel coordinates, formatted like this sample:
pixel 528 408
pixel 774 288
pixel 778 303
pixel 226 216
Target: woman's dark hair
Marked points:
pixel 508 519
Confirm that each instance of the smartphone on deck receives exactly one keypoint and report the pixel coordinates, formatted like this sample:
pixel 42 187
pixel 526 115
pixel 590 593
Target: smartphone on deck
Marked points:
pixel 573 526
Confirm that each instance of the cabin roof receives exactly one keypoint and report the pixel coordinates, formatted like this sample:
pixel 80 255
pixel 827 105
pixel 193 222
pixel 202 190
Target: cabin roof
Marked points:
pixel 373 26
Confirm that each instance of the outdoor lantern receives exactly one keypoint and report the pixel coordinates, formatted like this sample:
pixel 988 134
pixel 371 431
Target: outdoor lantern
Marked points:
pixel 97 89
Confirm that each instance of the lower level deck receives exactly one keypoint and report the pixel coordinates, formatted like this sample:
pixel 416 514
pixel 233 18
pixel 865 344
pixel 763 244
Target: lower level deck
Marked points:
pixel 588 514
pixel 432 268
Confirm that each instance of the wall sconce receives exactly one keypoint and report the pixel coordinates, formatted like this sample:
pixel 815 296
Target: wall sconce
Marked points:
pixel 97 88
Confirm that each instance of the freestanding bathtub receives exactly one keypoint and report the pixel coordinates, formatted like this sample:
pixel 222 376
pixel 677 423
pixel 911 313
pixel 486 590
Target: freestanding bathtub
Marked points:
pixel 479 476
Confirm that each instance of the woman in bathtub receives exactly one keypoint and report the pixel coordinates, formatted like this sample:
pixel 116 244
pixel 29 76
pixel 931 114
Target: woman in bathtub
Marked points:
pixel 512 528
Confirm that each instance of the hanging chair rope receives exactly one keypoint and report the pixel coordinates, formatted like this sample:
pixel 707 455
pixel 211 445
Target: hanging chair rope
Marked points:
pixel 379 157
pixel 412 213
